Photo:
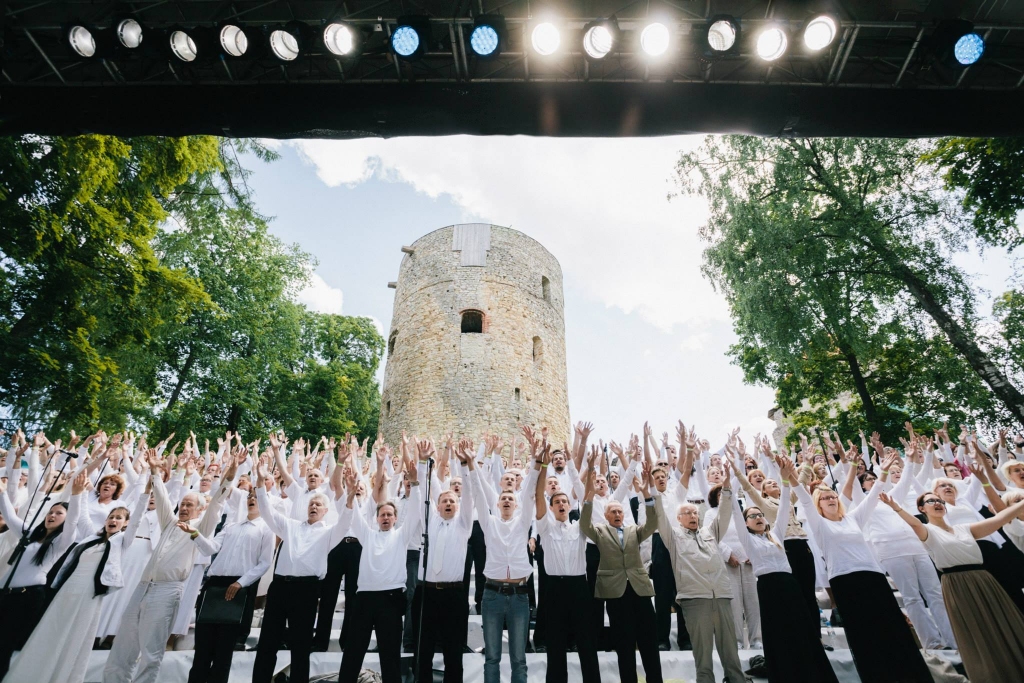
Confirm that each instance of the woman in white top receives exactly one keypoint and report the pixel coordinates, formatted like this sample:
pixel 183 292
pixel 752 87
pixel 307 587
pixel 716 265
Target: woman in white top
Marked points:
pixel 80 578
pixel 989 629
pixel 880 640
pixel 1015 529
pixel 792 645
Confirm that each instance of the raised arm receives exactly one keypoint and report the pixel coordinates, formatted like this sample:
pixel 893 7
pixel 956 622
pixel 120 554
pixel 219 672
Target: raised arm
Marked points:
pixel 651 512
pixel 996 522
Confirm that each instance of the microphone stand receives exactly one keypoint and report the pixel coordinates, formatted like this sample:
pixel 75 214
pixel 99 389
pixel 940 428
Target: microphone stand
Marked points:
pixel 426 556
pixel 19 550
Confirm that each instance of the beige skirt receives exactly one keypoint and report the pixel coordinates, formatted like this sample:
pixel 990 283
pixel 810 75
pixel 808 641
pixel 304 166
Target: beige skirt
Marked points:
pixel 989 628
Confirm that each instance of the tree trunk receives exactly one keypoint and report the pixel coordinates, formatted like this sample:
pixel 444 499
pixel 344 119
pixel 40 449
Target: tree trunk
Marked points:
pixel 870 414
pixel 233 416
pixel 182 376
pixel 962 341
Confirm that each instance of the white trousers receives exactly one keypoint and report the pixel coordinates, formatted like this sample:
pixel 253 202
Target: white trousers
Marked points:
pixel 145 628
pixel 745 608
pixel 916 579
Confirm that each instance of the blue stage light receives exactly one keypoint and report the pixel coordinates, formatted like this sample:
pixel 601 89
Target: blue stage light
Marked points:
pixel 969 48
pixel 405 41
pixel 484 40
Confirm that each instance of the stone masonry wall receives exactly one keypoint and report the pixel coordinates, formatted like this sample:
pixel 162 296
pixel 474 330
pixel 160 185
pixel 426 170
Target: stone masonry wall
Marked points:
pixel 438 379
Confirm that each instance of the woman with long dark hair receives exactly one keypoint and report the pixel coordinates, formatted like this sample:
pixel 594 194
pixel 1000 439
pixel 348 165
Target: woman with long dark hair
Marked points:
pixel 792 645
pixel 880 640
pixel 79 579
pixel 23 593
pixel 989 629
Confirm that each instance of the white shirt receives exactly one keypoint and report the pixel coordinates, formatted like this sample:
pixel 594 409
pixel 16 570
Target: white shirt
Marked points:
pixel 175 553
pixel 244 549
pixel 952 549
pixel 382 561
pixel 507 556
pixel 304 546
pixel 842 543
pixel 449 541
pixel 565 547
pixel 28 573
pixel 766 557
pixel 299 495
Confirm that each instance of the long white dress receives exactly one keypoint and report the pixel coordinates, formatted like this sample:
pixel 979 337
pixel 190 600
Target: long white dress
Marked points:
pixel 58 650
pixel 132 565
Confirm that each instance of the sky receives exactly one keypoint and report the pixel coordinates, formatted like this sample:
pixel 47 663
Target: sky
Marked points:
pixel 646 334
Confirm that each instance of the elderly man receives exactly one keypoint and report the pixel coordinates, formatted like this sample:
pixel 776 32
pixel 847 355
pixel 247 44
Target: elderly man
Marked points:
pixel 146 623
pixel 622 580
pixel 294 592
pixel 703 587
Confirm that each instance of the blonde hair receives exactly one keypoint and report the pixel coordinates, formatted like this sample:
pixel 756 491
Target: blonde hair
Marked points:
pixel 1014 496
pixel 1004 469
pixel 816 497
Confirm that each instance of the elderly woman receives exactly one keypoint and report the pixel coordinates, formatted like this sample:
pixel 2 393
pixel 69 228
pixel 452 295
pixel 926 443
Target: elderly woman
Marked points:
pixel 792 648
pixel 989 630
pixel 882 645
pixel 80 578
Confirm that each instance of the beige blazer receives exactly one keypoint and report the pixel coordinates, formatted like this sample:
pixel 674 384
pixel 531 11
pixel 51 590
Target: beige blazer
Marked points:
pixel 619 564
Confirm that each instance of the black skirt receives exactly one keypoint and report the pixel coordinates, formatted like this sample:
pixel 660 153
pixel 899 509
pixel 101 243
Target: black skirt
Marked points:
pixel 880 640
pixel 792 652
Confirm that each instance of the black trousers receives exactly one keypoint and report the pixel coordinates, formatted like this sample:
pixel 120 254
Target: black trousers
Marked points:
pixel 476 557
pixel 291 602
pixel 445 621
pixel 379 611
pixel 632 625
pixel 412 567
pixel 565 598
pixel 602 635
pixel 330 586
pixel 541 621
pixel 347 553
pixel 664 581
pixel 20 612
pixel 215 643
pixel 801 561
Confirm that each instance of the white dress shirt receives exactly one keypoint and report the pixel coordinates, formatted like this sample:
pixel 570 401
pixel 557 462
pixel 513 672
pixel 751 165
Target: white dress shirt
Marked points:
pixel 382 561
pixel 565 548
pixel 507 556
pixel 244 549
pixel 304 546
pixel 299 495
pixel 449 541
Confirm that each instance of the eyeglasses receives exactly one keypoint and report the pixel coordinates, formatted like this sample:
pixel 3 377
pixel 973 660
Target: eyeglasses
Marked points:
pixel 934 501
pixel 756 515
pixel 825 498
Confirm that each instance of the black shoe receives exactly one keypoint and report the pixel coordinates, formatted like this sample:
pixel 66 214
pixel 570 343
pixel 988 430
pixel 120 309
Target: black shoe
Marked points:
pixel 758 667
pixel 664 647
pixel 540 648
pixel 685 645
pixel 836 619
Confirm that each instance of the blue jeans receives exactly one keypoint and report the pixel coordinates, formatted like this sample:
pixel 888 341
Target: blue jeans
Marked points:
pixel 513 612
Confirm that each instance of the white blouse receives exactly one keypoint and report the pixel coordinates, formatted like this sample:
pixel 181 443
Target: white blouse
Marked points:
pixel 766 556
pixel 842 543
pixel 952 549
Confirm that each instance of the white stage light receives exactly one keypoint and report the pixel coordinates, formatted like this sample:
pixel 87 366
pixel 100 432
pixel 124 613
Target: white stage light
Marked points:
pixel 81 41
pixel 183 47
pixel 233 40
pixel 598 41
pixel 721 35
pixel 338 39
pixel 820 32
pixel 654 39
pixel 284 45
pixel 129 33
pixel 772 44
pixel 546 38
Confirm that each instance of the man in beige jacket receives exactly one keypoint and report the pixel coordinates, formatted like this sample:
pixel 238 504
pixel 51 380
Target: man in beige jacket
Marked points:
pixel 623 582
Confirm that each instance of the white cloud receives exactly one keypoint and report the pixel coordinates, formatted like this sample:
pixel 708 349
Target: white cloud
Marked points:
pixel 695 342
pixel 600 206
pixel 321 297
pixel 378 324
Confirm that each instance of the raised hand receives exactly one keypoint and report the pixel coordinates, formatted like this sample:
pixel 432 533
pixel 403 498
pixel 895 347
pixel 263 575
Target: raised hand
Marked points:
pixel 887 500
pixel 80 483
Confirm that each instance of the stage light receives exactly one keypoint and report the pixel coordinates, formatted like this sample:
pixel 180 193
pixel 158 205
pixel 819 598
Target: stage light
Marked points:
pixel 81 41
pixel 968 48
pixel 411 37
pixel 654 39
pixel 772 43
pixel 182 46
pixel 129 33
pixel 405 40
pixel 820 32
pixel 599 39
pixel 487 39
pixel 339 39
pixel 284 45
pixel 233 40
pixel 545 38
pixel 722 34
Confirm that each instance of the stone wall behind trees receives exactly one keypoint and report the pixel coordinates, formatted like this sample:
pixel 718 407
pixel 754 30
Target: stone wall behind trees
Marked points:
pixel 440 379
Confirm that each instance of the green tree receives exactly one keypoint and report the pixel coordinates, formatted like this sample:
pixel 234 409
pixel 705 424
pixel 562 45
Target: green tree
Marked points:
pixel 834 258
pixel 78 276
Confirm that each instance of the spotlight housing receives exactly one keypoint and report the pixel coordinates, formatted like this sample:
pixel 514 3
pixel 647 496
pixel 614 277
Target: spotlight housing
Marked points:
pixel 655 39
pixel 340 39
pixel 182 44
pixel 820 31
pixel 129 32
pixel 600 38
pixel 237 42
pixel 487 39
pixel 410 37
pixel 957 45
pixel 289 41
pixel 85 41
pixel 545 38
pixel 772 43
pixel 721 36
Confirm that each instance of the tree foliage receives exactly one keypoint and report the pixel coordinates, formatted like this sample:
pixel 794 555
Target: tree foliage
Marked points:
pixel 143 288
pixel 834 258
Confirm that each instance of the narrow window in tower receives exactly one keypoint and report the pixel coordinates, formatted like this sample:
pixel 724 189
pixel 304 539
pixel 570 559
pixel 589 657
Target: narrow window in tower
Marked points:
pixel 391 342
pixel 538 349
pixel 545 288
pixel 389 409
pixel 472 322
pixel 517 393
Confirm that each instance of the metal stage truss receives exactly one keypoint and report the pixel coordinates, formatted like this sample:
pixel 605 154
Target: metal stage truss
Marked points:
pixel 887 72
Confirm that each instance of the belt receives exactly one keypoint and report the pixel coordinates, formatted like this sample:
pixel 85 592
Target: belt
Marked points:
pixel 507 588
pixel 350 539
pixel 21 589
pixel 442 585
pixel 697 502
pixel 296 579
pixel 144 538
pixel 963 568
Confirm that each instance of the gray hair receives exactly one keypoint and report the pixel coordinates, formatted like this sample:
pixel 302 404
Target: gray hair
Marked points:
pixel 321 497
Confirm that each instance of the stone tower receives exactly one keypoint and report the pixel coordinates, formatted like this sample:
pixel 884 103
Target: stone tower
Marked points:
pixel 477 339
